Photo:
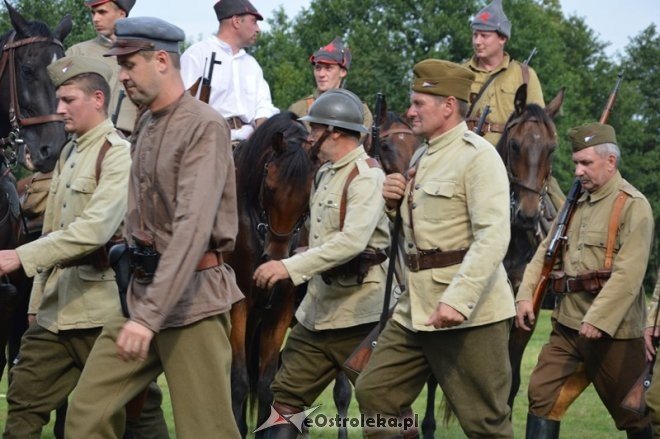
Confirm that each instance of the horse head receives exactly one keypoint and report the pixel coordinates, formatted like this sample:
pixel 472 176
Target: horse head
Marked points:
pixel 397 143
pixel 279 192
pixel 526 147
pixel 28 105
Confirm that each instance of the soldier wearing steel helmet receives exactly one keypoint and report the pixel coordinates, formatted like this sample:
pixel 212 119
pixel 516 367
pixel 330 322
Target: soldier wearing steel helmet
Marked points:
pixel 331 63
pixel 104 13
pixel 347 231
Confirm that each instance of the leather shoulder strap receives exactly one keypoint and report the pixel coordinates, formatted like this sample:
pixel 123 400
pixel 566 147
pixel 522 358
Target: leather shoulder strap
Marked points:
pixel 373 163
pixel 613 228
pixel 99 160
pixel 309 102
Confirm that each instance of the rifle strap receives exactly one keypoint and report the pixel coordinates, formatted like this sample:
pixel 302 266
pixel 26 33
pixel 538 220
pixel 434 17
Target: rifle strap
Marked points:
pixel 99 160
pixel 373 163
pixel 613 228
pixel 481 92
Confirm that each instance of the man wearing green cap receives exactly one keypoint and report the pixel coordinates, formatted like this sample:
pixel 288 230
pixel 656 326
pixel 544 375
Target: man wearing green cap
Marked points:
pixel 74 291
pixel 600 317
pixel 457 305
pixel 348 228
pixel 181 217
pixel 331 64
pixel 104 13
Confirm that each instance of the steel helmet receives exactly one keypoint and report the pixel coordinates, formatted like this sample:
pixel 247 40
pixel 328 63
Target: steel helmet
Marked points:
pixel 337 108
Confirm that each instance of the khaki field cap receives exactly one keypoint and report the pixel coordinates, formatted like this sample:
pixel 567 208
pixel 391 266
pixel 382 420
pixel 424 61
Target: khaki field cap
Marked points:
pixel 229 8
pixel 492 18
pixel 71 66
pixel 337 108
pixel 145 33
pixel 334 53
pixel 125 5
pixel 442 78
pixel 591 134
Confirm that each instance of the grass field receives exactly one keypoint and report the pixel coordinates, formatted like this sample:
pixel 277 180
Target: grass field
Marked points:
pixel 587 419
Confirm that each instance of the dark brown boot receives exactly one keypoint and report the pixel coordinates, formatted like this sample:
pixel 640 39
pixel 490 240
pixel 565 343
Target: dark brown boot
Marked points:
pixel 541 428
pixel 644 433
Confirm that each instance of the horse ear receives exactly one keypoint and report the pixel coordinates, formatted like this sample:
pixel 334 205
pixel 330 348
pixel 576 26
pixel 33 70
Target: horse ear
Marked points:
pixel 555 105
pixel 63 28
pixel 18 22
pixel 279 144
pixel 521 99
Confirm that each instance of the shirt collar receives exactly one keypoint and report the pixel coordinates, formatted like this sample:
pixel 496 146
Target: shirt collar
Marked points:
pixel 445 139
pixel 227 48
pixel 348 158
pixel 93 135
pixel 474 64
pixel 103 41
pixel 605 190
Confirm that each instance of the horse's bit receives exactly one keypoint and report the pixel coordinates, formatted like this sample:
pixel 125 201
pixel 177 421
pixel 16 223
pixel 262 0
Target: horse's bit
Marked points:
pixel 15 120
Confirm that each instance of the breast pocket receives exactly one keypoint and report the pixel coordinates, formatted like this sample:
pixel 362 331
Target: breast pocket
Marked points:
pixel 330 212
pixel 83 185
pixel 441 200
pixel 595 247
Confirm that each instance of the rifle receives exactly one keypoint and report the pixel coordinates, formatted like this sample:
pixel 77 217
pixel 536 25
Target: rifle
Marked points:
pixel 531 55
pixel 565 214
pixel 380 112
pixel 205 92
pixel 115 115
pixel 482 120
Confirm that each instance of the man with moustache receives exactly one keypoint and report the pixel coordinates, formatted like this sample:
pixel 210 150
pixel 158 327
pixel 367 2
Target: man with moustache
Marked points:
pixel 181 217
pixel 239 91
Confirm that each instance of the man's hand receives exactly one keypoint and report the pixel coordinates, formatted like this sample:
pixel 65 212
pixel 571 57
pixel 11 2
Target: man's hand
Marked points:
pixel 525 317
pixel 394 188
pixel 590 331
pixel 649 333
pixel 9 261
pixel 31 318
pixel 445 316
pixel 267 275
pixel 133 341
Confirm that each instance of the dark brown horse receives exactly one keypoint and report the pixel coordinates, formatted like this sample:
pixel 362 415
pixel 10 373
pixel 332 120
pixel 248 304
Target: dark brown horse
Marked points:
pixel 30 133
pixel 274 171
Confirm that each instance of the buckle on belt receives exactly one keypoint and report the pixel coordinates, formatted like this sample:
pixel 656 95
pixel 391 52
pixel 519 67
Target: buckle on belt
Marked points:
pixel 567 286
pixel 413 262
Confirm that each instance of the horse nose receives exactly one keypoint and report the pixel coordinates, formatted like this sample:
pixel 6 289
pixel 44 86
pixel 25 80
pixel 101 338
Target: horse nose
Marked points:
pixel 526 221
pixel 265 257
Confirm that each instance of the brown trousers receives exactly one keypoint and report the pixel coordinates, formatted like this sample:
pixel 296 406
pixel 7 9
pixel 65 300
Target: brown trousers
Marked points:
pixel 611 365
pixel 471 366
pixel 653 399
pixel 312 359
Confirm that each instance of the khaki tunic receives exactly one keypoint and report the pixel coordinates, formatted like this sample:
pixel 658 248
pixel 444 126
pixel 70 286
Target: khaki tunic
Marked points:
pixel 301 108
pixel 460 200
pixel 95 49
pixel 344 302
pixel 81 216
pixel 501 91
pixel 619 308
pixel 183 191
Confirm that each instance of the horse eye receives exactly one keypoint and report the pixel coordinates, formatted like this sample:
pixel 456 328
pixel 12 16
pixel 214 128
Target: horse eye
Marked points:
pixel 515 146
pixel 27 70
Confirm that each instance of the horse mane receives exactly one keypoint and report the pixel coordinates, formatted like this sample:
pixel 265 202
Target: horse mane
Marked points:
pixel 251 156
pixel 391 118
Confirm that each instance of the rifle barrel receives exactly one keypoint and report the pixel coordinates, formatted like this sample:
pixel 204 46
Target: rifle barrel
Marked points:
pixel 612 99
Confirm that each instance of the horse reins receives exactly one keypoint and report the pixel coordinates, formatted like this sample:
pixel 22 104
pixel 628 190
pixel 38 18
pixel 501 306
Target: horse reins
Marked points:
pixel 15 119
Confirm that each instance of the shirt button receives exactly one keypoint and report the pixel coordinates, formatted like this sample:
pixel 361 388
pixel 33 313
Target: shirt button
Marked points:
pixel 333 172
pixel 305 278
pixel 318 220
pixel 417 186
pixel 470 305
pixel 40 270
pixel 64 205
pixel 72 164
pixel 316 236
pixel 68 185
pixel 414 205
pixel 325 187
pixel 410 245
pixel 320 204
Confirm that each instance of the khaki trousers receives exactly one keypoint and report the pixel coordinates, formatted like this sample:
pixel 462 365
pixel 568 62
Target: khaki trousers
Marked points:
pixel 196 360
pixel 311 360
pixel 612 365
pixel 471 366
pixel 48 370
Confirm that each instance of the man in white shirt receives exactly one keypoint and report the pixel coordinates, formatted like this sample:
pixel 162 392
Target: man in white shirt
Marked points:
pixel 238 89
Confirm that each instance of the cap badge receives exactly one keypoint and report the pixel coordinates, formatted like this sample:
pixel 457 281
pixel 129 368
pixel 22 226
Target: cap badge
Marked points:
pixel 588 138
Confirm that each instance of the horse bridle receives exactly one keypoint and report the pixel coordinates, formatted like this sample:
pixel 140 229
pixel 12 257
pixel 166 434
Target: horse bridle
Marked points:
pixel 264 226
pixel 15 119
pixel 515 181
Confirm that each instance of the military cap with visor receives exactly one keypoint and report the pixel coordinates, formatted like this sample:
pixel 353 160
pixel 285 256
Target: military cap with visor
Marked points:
pixel 591 134
pixel 333 53
pixel 442 78
pixel 337 108
pixel 229 8
pixel 492 19
pixel 124 5
pixel 69 67
pixel 145 33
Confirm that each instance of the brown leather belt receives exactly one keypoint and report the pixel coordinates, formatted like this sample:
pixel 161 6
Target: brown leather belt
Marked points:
pixel 487 127
pixel 98 258
pixel 590 282
pixel 209 259
pixel 425 259
pixel 235 122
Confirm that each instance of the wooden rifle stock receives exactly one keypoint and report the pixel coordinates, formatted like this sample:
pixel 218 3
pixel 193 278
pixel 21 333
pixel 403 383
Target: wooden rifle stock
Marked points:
pixel 203 83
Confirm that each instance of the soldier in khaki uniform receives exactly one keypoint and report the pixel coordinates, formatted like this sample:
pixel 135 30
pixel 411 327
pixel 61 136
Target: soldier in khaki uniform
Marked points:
pixel 331 64
pixel 74 291
pixel 653 330
pixel 457 306
pixel 104 14
pixel 339 309
pixel 600 316
pixel 181 216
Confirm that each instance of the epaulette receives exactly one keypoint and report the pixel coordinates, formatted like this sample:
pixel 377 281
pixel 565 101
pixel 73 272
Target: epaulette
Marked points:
pixel 631 190
pixel 116 138
pixel 474 139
